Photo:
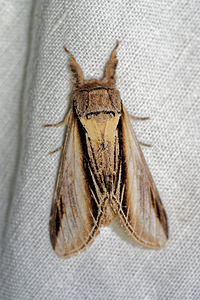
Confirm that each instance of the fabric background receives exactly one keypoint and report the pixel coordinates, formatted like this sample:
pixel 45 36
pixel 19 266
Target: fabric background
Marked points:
pixel 158 76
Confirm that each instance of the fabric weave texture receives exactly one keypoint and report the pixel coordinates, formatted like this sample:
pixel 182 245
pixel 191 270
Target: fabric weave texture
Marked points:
pixel 158 75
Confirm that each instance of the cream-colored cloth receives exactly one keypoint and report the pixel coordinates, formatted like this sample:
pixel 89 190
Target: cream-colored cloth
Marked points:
pixel 158 76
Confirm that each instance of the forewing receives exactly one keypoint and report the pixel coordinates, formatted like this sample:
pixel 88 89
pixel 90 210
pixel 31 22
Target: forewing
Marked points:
pixel 74 214
pixel 139 205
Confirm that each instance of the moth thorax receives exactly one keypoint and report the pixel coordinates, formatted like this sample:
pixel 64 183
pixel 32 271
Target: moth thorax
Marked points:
pixel 99 100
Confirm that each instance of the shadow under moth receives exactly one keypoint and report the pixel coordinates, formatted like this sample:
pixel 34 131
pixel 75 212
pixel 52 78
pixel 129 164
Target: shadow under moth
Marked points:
pixel 102 172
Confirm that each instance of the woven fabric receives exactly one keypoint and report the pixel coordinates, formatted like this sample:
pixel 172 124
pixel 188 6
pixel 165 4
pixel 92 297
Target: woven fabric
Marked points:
pixel 158 76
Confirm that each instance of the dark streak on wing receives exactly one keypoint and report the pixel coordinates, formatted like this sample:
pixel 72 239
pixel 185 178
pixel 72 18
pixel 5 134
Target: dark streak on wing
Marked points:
pixel 158 211
pixel 61 206
pixel 57 221
pixel 122 159
pixel 59 215
pixel 155 204
pixel 115 161
pixel 117 169
pixel 86 163
pixel 161 214
pixel 56 210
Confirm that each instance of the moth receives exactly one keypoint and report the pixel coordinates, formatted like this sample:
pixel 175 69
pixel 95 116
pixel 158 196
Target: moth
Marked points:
pixel 102 172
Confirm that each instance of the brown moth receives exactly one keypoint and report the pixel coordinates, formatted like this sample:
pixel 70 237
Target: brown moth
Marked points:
pixel 102 170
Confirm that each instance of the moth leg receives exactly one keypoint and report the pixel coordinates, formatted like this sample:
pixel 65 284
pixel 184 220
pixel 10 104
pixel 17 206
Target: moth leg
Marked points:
pixel 54 125
pixel 146 145
pixel 65 121
pixel 138 118
pixel 57 149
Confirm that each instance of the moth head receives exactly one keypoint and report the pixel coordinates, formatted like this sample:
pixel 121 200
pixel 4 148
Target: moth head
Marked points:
pixel 109 78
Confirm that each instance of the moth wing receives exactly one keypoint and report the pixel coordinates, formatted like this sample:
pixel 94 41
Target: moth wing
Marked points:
pixel 140 208
pixel 74 218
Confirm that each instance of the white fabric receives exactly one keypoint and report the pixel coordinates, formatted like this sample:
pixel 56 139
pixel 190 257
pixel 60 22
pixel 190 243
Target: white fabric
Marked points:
pixel 158 76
